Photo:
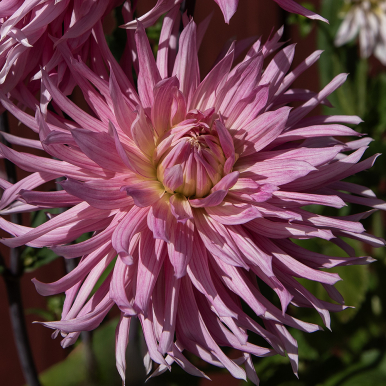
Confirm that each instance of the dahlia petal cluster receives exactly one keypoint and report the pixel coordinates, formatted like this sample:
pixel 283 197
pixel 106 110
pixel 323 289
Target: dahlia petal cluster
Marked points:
pixel 31 29
pixel 195 189
pixel 366 18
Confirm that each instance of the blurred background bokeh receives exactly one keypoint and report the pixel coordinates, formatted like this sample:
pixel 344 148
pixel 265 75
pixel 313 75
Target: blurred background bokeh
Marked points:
pixel 354 353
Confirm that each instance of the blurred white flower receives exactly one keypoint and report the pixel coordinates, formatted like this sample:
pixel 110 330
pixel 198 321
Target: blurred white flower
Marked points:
pixel 368 19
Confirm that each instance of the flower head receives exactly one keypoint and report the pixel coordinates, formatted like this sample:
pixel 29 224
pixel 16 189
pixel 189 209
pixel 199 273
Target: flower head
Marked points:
pixel 198 186
pixel 368 19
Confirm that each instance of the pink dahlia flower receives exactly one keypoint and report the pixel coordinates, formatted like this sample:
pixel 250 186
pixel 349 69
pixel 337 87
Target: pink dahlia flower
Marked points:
pixel 30 29
pixel 197 188
pixel 228 8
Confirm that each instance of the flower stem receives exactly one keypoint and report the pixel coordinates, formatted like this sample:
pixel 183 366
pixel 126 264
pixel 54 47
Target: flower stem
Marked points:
pixel 12 277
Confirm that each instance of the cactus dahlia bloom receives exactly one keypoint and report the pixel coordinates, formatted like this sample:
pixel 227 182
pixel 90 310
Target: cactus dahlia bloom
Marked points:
pixel 368 19
pixel 197 188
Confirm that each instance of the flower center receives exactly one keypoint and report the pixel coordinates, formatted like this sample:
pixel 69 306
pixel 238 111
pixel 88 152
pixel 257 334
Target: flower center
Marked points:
pixel 201 160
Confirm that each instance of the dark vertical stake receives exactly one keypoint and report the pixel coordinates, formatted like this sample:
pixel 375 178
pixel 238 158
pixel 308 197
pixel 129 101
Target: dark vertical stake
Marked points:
pixel 12 277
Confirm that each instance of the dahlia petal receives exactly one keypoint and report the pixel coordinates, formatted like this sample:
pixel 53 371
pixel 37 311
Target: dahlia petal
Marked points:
pixel 228 8
pixel 353 188
pixel 278 172
pixel 150 17
pixel 86 22
pixel 330 222
pixel 186 65
pixel 314 156
pixel 318 260
pixel 277 68
pixel 226 140
pixel 121 342
pixel 315 131
pixel 329 173
pixel 142 132
pixel 159 218
pixel 32 163
pixel 218 244
pixel 121 278
pixel 145 193
pixel 123 110
pixel 87 246
pixel 172 292
pixel 180 252
pixel 131 158
pixel 199 274
pixel 148 333
pixel 148 75
pixel 236 282
pixel 248 108
pixel 180 207
pixel 76 275
pixel 72 215
pixel 100 148
pixel 371 202
pixel 86 322
pixel 14 140
pixel 292 6
pixel 124 83
pixel 263 130
pixel 102 196
pixel 268 210
pixel 300 112
pixel 180 359
pixel 294 74
pixel 171 18
pixel 374 241
pixel 204 95
pixel 280 230
pixel 23 117
pixel 133 222
pixel 191 317
pixel 32 181
pixel 250 370
pixel 214 199
pixel 300 199
pixel 151 256
pixel 228 214
pixel 83 119
pixel 293 267
pixel 290 345
pixel 161 111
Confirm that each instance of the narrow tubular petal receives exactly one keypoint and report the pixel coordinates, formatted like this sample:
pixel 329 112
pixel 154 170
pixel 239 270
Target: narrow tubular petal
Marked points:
pixel 151 256
pixel 148 75
pixel 172 292
pixel 121 342
pixel 186 65
pixel 132 223
pixel 228 214
pixel 179 248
